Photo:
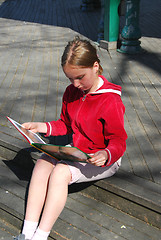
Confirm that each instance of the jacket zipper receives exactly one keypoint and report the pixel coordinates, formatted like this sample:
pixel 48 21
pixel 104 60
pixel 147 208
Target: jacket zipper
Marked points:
pixel 83 99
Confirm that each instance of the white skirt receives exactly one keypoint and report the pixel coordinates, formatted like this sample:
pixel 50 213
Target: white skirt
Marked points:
pixel 85 172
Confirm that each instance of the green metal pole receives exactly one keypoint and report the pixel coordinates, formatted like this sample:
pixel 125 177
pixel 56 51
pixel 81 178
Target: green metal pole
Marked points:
pixel 111 20
pixel 131 32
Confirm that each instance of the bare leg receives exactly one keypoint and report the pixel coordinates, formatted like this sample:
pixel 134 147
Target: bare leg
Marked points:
pixel 38 189
pixel 56 196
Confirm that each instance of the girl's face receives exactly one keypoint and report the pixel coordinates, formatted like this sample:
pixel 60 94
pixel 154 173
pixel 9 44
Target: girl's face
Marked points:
pixel 85 79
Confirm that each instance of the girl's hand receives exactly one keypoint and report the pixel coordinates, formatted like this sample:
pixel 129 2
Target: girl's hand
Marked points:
pixel 99 158
pixel 35 127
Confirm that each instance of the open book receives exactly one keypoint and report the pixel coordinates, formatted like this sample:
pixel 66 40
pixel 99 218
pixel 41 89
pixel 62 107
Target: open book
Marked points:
pixel 58 152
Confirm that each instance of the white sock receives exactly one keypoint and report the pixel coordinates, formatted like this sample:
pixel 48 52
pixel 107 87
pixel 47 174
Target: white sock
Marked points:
pixel 40 235
pixel 29 228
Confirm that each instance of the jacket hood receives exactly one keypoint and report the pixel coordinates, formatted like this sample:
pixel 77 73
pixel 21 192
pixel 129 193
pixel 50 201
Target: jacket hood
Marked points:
pixel 108 87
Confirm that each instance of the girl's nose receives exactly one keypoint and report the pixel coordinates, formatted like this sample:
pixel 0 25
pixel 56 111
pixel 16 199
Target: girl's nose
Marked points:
pixel 76 83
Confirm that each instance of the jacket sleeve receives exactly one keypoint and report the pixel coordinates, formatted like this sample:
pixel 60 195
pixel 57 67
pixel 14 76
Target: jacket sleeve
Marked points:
pixel 114 131
pixel 63 125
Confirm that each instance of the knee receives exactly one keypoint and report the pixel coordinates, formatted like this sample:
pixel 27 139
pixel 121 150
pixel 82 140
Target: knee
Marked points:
pixel 42 167
pixel 39 165
pixel 62 173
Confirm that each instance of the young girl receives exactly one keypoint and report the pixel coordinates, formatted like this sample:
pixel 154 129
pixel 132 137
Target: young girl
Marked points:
pixel 93 111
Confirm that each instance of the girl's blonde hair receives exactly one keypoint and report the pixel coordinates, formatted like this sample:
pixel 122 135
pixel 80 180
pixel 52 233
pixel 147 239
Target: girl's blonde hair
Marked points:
pixel 80 53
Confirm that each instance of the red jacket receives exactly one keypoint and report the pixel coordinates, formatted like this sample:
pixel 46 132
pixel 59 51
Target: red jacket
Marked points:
pixel 96 120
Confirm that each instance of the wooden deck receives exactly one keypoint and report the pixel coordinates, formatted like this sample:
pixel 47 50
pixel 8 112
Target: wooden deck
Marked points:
pixel 32 38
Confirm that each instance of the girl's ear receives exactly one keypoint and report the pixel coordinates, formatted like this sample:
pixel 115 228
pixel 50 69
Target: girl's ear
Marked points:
pixel 96 66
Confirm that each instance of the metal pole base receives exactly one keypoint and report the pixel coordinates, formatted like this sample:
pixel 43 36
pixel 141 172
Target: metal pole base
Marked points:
pixel 130 47
pixel 131 34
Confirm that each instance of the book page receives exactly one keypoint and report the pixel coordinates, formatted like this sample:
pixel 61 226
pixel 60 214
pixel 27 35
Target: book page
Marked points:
pixel 29 135
pixel 58 152
pixel 62 152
